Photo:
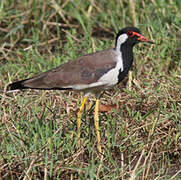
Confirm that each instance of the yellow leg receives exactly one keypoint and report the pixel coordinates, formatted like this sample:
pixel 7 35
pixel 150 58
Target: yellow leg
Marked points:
pixel 96 122
pixel 79 115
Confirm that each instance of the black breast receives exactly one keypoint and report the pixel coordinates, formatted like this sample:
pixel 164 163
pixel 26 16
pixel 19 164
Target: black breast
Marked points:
pixel 127 56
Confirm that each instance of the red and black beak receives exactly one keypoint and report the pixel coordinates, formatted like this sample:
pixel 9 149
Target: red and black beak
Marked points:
pixel 143 39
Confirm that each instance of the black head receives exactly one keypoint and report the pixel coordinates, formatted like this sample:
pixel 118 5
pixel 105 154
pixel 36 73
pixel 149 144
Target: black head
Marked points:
pixel 130 36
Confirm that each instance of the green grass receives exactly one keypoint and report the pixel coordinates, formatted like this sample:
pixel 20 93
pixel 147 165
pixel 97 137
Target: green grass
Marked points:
pixel 140 136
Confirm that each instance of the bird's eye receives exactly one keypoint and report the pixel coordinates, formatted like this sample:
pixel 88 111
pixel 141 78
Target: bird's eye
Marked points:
pixel 130 33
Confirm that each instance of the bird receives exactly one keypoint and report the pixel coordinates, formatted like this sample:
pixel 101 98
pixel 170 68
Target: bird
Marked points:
pixel 90 73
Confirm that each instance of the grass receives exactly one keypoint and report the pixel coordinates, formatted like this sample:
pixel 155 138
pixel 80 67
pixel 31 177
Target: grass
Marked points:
pixel 140 120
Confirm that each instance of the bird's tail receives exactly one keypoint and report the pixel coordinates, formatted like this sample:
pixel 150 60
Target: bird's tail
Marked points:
pixel 36 82
pixel 16 86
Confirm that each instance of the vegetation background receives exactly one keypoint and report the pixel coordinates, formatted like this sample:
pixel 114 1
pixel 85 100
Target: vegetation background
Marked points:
pixel 140 120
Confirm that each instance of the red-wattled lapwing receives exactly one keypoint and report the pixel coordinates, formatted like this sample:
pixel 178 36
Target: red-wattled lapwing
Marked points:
pixel 91 73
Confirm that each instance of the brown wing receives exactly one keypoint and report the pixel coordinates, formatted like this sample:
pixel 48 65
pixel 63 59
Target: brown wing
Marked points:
pixel 84 70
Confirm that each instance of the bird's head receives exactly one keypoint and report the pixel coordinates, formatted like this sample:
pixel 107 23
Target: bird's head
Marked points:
pixel 130 36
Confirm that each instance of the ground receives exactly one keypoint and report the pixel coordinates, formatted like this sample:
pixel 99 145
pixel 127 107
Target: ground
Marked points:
pixel 140 119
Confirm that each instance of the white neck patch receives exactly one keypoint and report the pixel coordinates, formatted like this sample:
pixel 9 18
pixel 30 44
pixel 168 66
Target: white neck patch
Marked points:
pixel 121 39
pixel 111 77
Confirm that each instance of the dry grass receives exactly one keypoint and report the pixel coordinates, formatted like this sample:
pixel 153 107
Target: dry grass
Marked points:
pixel 140 120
